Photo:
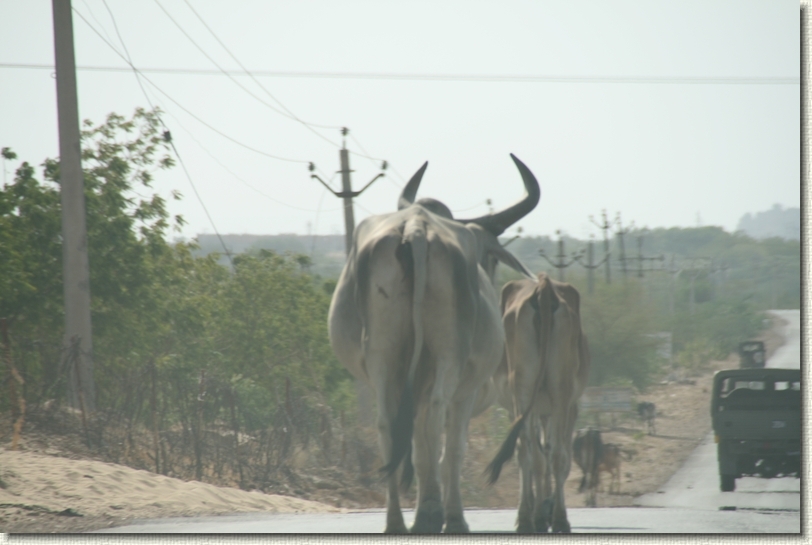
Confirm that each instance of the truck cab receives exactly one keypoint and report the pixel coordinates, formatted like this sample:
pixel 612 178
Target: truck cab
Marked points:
pixel 756 416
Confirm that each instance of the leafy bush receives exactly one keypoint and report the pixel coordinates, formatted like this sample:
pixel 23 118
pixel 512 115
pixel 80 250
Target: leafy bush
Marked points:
pixel 618 324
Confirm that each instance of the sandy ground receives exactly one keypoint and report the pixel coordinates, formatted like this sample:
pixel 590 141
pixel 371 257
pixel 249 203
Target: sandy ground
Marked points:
pixel 50 493
pixel 48 486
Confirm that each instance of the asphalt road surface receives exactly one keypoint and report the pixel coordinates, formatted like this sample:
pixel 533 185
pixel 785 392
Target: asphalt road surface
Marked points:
pixel 689 503
pixel 789 355
pixel 597 521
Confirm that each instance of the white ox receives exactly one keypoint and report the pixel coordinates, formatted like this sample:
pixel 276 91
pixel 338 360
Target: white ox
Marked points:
pixel 544 373
pixel 415 314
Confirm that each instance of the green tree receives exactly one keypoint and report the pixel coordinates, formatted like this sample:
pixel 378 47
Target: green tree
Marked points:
pixel 619 325
pixel 125 243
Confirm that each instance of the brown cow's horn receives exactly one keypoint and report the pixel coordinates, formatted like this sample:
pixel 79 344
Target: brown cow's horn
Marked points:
pixel 497 223
pixel 410 191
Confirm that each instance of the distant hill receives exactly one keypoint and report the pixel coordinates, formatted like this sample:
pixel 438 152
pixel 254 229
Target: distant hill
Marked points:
pixel 777 222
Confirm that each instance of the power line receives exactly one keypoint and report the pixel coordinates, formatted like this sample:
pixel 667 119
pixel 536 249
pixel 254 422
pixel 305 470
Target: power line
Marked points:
pixel 289 113
pixel 179 105
pixel 368 156
pixel 206 150
pixel 242 180
pixel 167 134
pixel 241 86
pixel 199 198
pixel 127 53
pixel 251 75
pixel 496 78
pixel 93 15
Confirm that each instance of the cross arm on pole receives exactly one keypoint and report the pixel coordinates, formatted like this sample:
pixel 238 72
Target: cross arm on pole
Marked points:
pixel 576 256
pixel 356 193
pixel 330 189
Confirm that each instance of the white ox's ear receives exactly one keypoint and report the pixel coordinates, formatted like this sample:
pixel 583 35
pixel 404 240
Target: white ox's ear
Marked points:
pixel 493 247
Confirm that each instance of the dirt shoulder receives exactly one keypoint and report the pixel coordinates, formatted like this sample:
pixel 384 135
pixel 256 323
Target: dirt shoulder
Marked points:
pixel 48 492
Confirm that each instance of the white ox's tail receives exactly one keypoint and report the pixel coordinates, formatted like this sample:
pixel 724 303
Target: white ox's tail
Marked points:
pixel 413 256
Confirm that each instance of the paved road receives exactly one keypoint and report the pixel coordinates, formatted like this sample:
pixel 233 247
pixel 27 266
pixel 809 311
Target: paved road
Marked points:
pixel 689 503
pixel 789 355
pixel 696 486
pixel 597 521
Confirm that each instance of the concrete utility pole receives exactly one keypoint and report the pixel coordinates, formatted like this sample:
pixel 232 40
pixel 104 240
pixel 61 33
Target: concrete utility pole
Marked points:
pixel 604 226
pixel 620 234
pixel 591 265
pixel 346 187
pixel 363 392
pixel 346 193
pixel 641 259
pixel 76 269
pixel 560 264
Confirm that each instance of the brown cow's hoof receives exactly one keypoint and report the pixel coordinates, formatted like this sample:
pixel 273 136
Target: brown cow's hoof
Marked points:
pixel 542 518
pixel 458 526
pixel 395 525
pixel 396 529
pixel 562 527
pixel 525 527
pixel 541 526
pixel 429 519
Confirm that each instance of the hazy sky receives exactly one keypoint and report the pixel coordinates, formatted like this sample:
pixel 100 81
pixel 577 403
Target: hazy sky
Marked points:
pixel 672 113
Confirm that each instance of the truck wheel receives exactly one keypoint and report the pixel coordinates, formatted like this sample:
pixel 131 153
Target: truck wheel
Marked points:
pixel 728 483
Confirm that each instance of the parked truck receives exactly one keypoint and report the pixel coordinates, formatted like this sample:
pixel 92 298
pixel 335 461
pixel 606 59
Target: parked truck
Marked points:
pixel 756 417
pixel 751 354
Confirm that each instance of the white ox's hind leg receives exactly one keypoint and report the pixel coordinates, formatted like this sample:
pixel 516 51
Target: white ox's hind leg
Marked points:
pixel 459 415
pixel 428 430
pixel 387 350
pixel 388 393
pixel 394 516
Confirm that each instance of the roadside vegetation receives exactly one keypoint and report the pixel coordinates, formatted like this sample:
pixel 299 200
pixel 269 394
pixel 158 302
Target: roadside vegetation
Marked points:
pixel 220 369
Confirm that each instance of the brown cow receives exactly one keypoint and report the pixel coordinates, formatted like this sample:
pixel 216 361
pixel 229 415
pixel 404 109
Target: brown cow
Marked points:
pixel 543 374
pixel 610 463
pixel 588 452
pixel 647 412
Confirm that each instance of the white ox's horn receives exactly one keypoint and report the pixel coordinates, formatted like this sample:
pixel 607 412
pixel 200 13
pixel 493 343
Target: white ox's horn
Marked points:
pixel 497 222
pixel 410 191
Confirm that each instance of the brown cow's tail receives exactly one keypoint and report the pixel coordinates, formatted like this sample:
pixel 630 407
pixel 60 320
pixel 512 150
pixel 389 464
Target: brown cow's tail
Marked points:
pixel 506 450
pixel 543 299
pixel 402 429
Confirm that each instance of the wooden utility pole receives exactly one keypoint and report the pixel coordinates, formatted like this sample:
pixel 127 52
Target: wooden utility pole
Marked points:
pixel 75 266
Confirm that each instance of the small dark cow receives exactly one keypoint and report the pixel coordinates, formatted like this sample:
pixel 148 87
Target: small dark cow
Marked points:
pixel 610 463
pixel 647 411
pixel 587 449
